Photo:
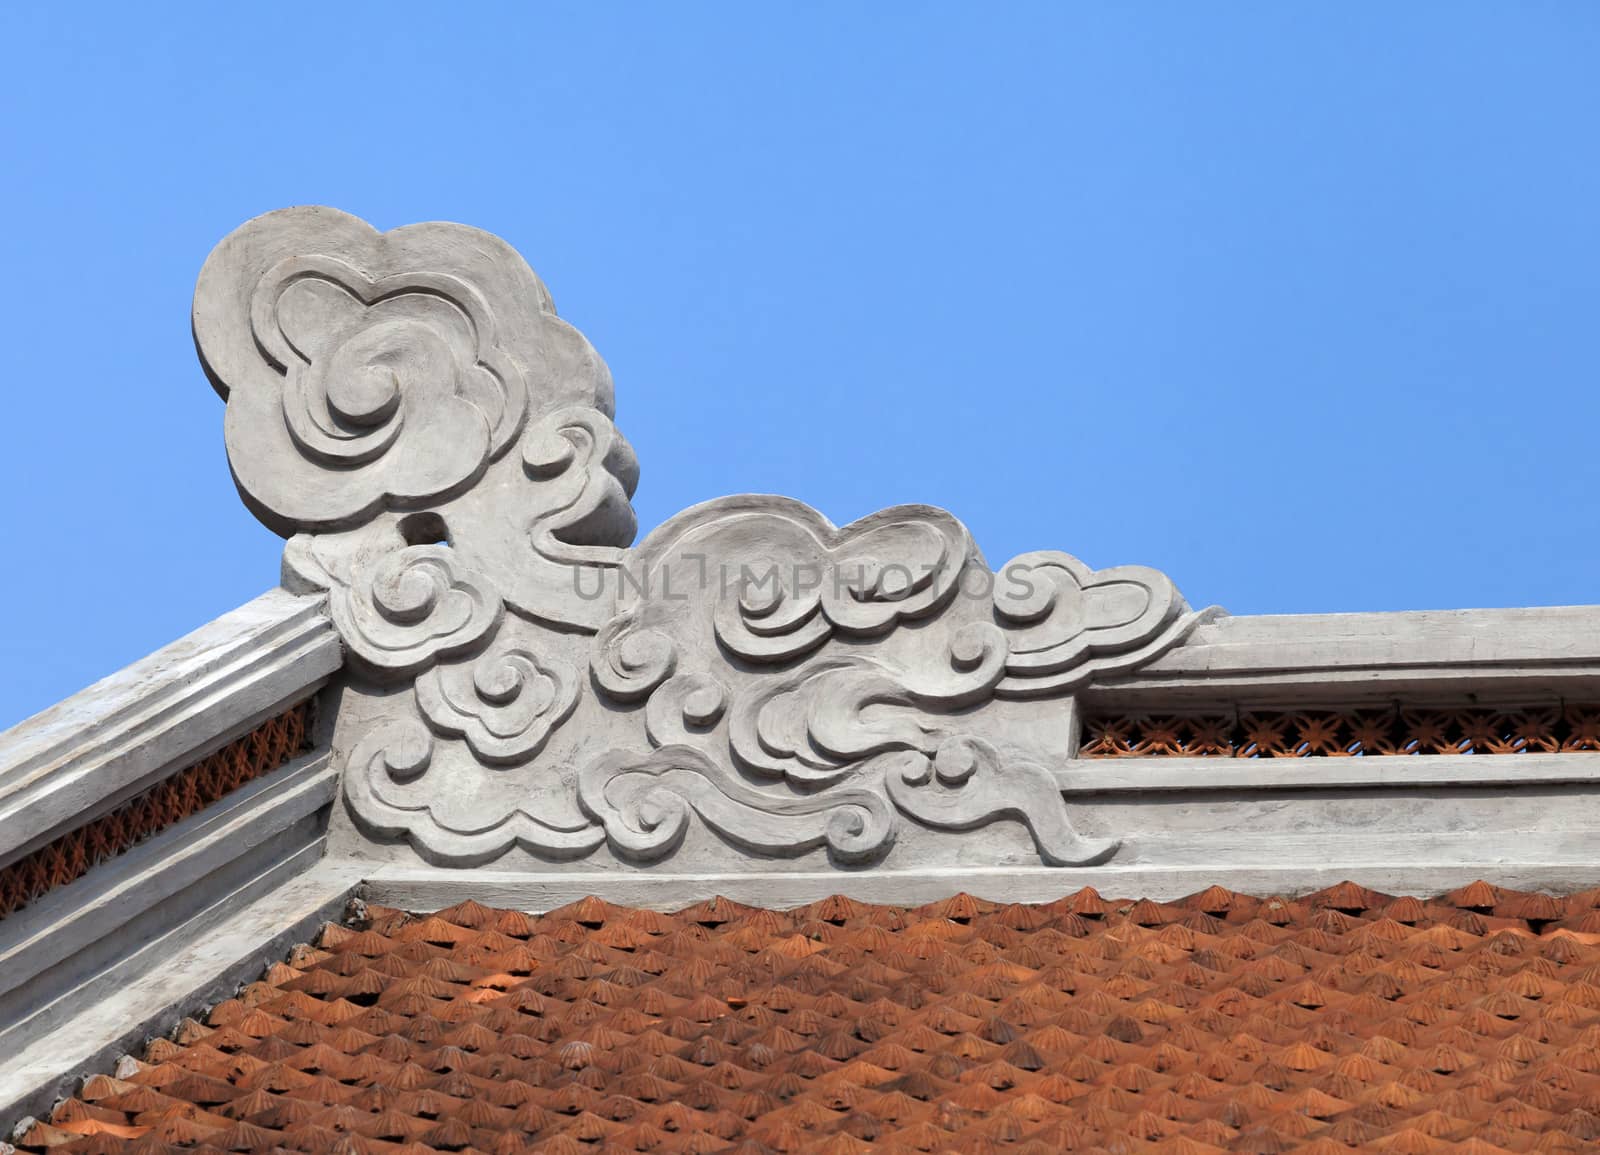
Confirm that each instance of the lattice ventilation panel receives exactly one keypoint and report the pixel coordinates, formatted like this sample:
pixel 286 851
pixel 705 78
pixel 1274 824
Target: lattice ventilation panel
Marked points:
pixel 1549 729
pixel 72 855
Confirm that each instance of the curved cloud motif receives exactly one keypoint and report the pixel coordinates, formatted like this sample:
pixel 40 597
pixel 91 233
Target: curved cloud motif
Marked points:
pixel 1067 623
pixel 504 704
pixel 439 447
pixel 368 370
pixel 645 802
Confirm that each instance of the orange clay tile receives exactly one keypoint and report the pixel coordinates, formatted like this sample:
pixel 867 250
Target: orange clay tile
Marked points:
pixel 1343 1020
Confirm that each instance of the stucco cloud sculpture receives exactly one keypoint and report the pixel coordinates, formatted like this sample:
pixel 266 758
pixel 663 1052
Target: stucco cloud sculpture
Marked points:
pixel 438 447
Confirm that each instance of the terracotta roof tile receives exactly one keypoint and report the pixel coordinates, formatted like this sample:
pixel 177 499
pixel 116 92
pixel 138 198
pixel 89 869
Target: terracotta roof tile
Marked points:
pixel 1220 1022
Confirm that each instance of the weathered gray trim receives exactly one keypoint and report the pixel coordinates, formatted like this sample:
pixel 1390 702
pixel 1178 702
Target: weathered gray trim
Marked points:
pixel 433 889
pixel 82 757
pixel 1418 825
pixel 198 963
pixel 82 946
pixel 94 911
pixel 1393 772
pixel 1298 659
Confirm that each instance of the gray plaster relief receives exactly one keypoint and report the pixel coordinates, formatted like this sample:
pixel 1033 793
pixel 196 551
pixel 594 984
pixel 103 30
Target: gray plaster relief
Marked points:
pixel 438 447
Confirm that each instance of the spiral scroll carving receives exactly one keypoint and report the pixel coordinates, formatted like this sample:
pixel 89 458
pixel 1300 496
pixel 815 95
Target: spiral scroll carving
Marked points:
pixel 630 660
pixel 362 361
pixel 504 704
pixel 684 707
pixel 402 611
pixel 366 370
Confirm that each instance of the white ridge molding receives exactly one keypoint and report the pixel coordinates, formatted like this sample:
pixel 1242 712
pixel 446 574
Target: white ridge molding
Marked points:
pixel 80 758
pixel 1405 772
pixel 89 966
pixel 173 970
pixel 422 889
pixel 1506 656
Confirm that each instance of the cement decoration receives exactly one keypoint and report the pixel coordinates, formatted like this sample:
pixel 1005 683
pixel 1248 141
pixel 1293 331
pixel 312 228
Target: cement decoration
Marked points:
pixel 504 703
pixel 644 803
pixel 438 447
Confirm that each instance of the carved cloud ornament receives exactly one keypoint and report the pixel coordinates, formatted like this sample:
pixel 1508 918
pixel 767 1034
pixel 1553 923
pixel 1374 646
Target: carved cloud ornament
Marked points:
pixel 749 681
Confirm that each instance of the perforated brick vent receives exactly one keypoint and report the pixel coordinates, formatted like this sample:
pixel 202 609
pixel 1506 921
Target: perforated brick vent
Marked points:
pixel 1346 1020
pixel 72 855
pixel 1549 729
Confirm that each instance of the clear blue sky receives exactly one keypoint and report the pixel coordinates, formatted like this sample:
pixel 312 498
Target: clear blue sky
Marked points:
pixel 1297 302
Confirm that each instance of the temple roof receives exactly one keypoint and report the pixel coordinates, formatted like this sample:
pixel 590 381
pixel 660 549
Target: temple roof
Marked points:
pixel 473 685
pixel 1343 1019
